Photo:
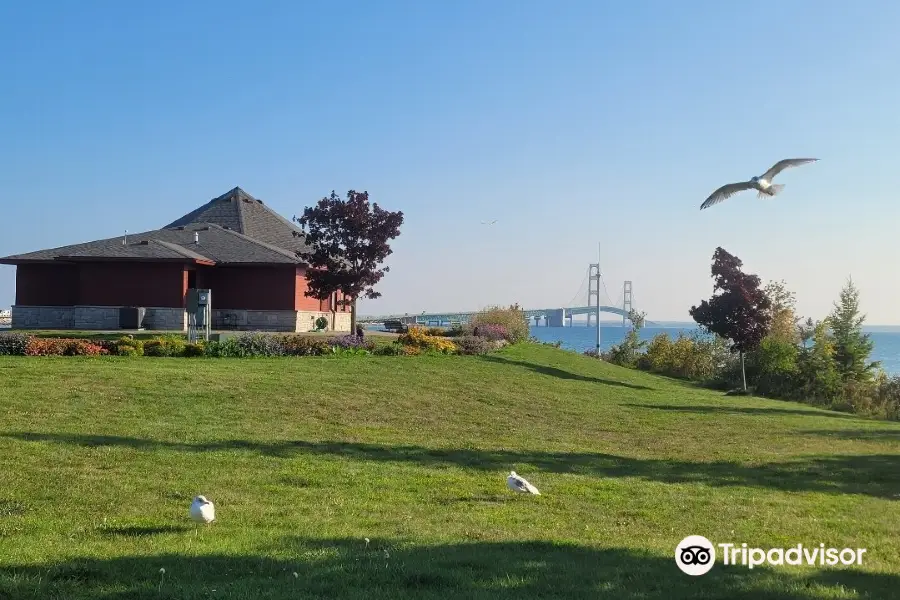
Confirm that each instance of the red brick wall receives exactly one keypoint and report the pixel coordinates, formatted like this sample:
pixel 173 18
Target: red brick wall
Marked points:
pixel 134 284
pixel 249 288
pixel 304 302
pixel 46 285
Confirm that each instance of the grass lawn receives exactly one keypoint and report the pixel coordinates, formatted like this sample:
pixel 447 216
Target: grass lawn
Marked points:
pixel 384 477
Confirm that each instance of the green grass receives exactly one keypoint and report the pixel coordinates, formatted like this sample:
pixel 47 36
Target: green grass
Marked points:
pixel 306 458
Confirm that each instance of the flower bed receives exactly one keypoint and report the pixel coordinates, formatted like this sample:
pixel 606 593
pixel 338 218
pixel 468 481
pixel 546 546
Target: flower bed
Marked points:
pixel 249 345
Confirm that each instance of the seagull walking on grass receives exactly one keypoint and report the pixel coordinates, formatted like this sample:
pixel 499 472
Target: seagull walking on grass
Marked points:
pixel 202 510
pixel 763 183
pixel 517 483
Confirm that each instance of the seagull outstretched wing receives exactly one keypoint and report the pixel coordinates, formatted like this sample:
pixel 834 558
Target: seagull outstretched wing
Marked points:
pixel 724 192
pixel 787 163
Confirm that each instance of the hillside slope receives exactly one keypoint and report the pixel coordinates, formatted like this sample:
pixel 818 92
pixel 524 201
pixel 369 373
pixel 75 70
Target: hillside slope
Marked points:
pixel 306 458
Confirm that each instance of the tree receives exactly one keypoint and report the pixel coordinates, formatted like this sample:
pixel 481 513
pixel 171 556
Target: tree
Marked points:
pixel 740 312
pixel 347 241
pixel 852 347
pixel 785 321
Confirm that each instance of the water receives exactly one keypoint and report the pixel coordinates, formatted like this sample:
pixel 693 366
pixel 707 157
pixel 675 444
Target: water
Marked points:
pixel 579 339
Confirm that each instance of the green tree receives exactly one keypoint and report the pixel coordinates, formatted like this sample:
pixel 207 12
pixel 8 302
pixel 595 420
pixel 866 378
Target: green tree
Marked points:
pixel 852 347
pixel 784 313
pixel 626 353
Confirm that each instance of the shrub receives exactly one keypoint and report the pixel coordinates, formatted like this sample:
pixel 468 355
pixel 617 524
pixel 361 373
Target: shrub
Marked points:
pixel 417 338
pixel 192 349
pixel 388 350
pixel 887 396
pixel 46 346
pixel 128 346
pixel 470 344
pixel 436 331
pixel 491 332
pixel 773 367
pixel 351 342
pixel 321 323
pixel 260 344
pixel 13 344
pixel 299 345
pixel 512 318
pixel 61 347
pixel 170 345
pixel 82 348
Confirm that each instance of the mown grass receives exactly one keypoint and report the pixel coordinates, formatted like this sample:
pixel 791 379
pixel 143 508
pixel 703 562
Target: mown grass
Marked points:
pixel 308 458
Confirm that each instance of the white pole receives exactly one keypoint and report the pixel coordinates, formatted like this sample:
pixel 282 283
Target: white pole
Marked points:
pixel 598 300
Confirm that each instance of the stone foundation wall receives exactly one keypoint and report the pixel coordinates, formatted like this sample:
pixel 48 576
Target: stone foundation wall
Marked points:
pixel 95 317
pixel 42 317
pixel 174 319
pixel 275 320
pixel 342 321
pixel 92 318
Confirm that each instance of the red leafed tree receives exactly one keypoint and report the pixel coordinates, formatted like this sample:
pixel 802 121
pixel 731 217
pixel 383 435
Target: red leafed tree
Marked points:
pixel 739 310
pixel 347 241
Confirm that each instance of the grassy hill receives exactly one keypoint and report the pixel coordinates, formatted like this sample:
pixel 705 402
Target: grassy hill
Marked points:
pixel 384 477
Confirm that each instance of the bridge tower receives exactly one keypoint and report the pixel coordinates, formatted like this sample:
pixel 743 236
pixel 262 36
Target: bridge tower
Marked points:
pixel 626 300
pixel 593 298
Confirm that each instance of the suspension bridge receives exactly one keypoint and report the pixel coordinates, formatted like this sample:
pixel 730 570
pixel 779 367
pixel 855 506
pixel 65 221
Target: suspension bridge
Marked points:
pixel 591 299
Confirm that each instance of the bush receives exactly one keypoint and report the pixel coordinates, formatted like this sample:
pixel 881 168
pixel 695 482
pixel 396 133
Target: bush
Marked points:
pixel 321 323
pixel 299 345
pixel 471 344
pixel 46 346
pixel 388 350
pixel 192 349
pixel 696 357
pixel 259 345
pixel 128 346
pixel 512 319
pixel 13 344
pixel 82 348
pixel 165 346
pixel 418 339
pixel 491 332
pixel 436 331
pixel 61 347
pixel 351 342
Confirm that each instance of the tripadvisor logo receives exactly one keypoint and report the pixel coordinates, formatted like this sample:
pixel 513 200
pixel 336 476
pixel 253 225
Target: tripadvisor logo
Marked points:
pixel 696 555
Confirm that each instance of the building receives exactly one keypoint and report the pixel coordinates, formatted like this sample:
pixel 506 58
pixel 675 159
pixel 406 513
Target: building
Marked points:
pixel 233 245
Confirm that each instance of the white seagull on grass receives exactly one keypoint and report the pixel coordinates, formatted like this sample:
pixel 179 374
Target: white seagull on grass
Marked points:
pixel 763 183
pixel 202 510
pixel 517 483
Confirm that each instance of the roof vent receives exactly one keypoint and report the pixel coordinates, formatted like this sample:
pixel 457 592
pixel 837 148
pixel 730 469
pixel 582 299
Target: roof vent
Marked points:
pixel 196 237
pixel 258 200
pixel 180 228
pixel 144 243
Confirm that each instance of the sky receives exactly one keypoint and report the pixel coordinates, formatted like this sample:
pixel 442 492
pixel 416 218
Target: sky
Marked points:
pixel 591 131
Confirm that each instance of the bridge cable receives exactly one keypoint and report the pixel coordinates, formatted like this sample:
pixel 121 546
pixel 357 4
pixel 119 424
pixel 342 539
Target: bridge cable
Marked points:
pixel 580 291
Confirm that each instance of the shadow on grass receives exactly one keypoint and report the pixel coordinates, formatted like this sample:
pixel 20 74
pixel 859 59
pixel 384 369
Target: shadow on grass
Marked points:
pixel 886 435
pixel 868 474
pixel 746 410
pixel 344 568
pixel 559 373
pixel 139 531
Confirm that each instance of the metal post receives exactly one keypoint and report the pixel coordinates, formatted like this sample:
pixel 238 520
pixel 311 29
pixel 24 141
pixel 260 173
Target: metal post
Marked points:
pixel 599 252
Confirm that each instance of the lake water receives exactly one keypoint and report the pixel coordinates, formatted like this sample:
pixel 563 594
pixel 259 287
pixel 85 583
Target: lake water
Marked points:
pixel 579 339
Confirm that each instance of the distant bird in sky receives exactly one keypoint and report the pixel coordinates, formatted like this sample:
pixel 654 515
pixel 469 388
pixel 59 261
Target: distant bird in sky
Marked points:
pixel 763 183
pixel 489 222
pixel 202 510
pixel 517 483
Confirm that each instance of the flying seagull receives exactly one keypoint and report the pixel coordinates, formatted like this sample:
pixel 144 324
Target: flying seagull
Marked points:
pixel 763 183
pixel 517 483
pixel 202 510
pixel 489 222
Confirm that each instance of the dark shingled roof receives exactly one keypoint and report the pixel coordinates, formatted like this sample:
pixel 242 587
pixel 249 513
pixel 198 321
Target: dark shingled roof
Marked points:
pixel 234 228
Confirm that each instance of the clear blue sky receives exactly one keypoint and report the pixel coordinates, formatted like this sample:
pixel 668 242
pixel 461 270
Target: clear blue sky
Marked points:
pixel 572 123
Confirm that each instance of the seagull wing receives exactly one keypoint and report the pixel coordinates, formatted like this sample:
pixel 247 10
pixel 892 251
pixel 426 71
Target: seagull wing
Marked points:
pixel 787 163
pixel 724 192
